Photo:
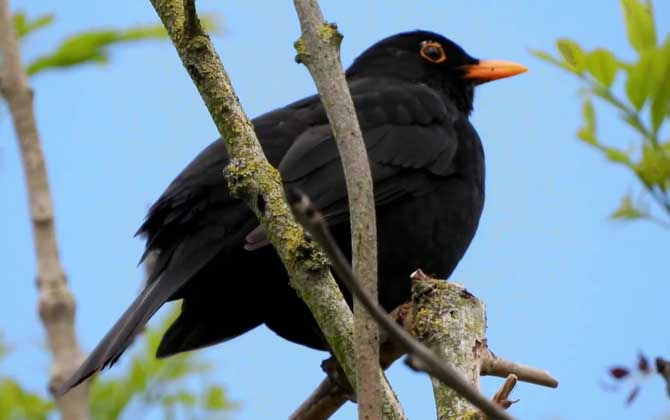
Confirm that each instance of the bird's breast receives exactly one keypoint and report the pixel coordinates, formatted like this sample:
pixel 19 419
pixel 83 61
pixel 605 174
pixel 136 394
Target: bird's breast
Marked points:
pixel 430 232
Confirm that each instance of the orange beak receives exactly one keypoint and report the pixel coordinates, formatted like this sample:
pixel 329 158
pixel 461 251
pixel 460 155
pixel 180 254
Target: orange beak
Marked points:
pixel 488 70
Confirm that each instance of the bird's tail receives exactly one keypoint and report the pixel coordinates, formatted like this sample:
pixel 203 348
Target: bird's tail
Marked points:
pixel 110 348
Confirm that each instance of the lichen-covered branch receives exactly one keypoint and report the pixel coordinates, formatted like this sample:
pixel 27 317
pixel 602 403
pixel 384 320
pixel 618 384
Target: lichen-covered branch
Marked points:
pixel 252 179
pixel 452 323
pixel 56 304
pixel 319 49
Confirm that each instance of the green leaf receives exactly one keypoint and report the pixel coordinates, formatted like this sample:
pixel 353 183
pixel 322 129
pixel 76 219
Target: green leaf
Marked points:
pixel 587 132
pixel 92 47
pixel 215 399
pixel 17 403
pixel 25 27
pixel 660 104
pixel 640 82
pixel 618 156
pixel 179 398
pixel 155 383
pixel 572 54
pixel 602 65
pixel 639 24
pixel 138 376
pixel 654 166
pixel 550 59
pixel 628 211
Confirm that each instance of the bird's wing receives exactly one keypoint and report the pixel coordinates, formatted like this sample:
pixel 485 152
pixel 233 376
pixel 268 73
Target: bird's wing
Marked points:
pixel 410 138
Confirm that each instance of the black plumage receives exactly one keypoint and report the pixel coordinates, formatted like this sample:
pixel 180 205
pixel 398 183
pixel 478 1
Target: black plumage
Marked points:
pixel 413 93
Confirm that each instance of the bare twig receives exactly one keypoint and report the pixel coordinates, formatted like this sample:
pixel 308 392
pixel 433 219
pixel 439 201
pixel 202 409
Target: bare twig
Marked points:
pixel 319 49
pixel 493 365
pixel 501 396
pixel 251 178
pixel 56 304
pixel 326 399
pixel 424 358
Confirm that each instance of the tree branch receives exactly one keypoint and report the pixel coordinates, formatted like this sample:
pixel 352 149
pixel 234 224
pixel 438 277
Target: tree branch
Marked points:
pixel 56 304
pixel 319 49
pixel 452 323
pixel 423 358
pixel 493 365
pixel 251 178
pixel 324 401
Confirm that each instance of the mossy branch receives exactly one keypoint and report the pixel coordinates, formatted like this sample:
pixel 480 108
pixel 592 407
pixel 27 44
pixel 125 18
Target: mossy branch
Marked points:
pixel 251 178
pixel 319 49
pixel 452 323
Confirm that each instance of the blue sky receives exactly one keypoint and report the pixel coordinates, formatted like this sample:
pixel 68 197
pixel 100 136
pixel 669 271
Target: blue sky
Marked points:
pixel 566 289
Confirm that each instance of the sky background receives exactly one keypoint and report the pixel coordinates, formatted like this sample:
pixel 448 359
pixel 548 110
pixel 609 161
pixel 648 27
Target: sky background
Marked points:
pixel 566 288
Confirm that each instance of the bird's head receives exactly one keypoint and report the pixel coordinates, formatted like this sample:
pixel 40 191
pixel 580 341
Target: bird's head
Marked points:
pixel 427 57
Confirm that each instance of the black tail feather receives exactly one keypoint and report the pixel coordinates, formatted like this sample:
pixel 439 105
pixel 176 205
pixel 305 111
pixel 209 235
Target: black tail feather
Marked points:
pixel 110 348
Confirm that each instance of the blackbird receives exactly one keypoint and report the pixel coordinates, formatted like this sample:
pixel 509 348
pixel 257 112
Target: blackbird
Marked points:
pixel 413 93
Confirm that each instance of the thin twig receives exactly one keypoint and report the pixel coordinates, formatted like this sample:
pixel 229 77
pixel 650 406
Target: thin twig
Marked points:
pixel 493 365
pixel 314 223
pixel 322 403
pixel 56 303
pixel 501 397
pixel 319 49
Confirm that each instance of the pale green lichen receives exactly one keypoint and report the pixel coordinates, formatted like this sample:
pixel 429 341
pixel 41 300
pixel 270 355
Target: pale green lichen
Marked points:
pixel 450 322
pixel 301 50
pixel 329 34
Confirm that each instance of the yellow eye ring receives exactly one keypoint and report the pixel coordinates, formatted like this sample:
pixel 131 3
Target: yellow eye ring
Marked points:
pixel 433 52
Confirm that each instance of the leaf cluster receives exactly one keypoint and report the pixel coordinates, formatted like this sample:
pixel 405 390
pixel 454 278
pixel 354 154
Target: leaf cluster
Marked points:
pixel 87 47
pixel 644 105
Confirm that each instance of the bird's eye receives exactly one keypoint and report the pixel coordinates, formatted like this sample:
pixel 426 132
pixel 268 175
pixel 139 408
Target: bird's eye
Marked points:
pixel 432 51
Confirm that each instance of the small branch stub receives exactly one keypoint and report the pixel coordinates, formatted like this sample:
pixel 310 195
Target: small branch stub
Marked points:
pixel 502 395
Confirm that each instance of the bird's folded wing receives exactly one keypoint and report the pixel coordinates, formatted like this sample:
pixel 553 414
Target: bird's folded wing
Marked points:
pixel 410 139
